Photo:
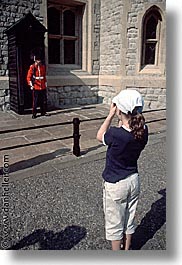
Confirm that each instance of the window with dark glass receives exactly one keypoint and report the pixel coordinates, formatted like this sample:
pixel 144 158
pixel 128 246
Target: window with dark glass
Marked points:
pixel 54 51
pixel 69 23
pixel 53 21
pixel 64 29
pixel 69 37
pixel 151 27
pixel 69 52
pixel 151 37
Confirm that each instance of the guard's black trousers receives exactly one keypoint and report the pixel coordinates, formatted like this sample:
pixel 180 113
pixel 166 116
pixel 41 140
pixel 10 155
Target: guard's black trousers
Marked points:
pixel 39 99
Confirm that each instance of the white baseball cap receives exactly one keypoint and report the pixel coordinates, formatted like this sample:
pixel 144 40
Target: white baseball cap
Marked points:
pixel 127 100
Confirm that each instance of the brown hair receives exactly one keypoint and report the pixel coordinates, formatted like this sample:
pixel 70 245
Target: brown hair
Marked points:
pixel 136 123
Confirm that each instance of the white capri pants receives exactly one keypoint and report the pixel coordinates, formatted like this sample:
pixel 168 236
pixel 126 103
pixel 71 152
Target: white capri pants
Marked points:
pixel 120 202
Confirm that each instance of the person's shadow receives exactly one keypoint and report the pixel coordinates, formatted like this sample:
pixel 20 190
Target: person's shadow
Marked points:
pixel 151 222
pixel 37 160
pixel 48 240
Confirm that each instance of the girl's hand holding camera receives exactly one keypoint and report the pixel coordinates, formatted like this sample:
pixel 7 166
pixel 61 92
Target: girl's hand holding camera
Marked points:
pixel 112 111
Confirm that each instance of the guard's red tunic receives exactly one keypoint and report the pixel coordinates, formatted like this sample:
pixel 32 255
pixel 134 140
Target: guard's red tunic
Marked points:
pixel 36 76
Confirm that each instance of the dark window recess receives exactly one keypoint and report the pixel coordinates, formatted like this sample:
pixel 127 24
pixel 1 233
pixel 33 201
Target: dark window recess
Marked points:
pixel 151 28
pixel 53 21
pixel 54 51
pixel 69 23
pixel 150 53
pixel 69 52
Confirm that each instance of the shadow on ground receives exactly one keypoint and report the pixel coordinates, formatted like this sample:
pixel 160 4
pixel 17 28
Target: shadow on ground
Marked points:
pixel 24 164
pixel 90 149
pixel 48 240
pixel 151 223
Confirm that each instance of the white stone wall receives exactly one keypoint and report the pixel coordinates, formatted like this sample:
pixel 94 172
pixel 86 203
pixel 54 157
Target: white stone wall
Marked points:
pixel 120 52
pixel 96 37
pixel 106 93
pixel 154 98
pixel 110 36
pixel 132 36
pixel 152 84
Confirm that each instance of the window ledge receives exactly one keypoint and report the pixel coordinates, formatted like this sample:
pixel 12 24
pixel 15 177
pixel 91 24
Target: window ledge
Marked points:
pixel 58 69
pixel 64 66
pixel 150 69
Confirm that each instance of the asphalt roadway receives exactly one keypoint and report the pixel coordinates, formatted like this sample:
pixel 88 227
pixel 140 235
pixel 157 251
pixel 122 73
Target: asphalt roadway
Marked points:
pixel 60 207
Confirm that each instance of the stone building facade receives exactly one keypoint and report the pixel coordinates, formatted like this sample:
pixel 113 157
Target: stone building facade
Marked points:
pixel 94 49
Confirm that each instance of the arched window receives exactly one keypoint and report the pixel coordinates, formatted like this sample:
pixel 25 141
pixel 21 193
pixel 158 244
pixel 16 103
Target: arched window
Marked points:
pixel 151 37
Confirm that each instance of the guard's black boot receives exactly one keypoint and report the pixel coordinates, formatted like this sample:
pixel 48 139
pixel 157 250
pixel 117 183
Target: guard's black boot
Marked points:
pixel 34 116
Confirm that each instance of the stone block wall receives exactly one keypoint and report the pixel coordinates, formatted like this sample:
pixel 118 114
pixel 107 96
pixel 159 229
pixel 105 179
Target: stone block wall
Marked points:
pixel 133 36
pixel 110 36
pixel 4 95
pixel 152 82
pixel 64 96
pixel 106 93
pixel 136 9
pixel 154 98
pixel 120 38
pixel 96 38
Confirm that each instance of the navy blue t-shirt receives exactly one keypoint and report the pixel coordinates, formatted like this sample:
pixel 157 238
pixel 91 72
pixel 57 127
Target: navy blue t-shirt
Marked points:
pixel 122 153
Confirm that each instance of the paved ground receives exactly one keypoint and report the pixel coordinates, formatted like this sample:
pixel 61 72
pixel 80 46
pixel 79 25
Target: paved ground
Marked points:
pixel 30 142
pixel 56 198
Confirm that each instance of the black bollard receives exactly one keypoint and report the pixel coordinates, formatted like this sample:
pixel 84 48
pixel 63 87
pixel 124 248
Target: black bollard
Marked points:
pixel 76 137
